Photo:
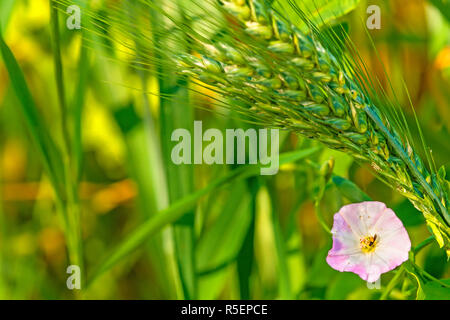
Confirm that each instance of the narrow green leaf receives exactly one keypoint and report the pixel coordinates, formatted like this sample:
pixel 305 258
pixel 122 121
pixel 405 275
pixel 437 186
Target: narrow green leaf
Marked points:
pixel 284 283
pixel 48 150
pixel 78 106
pixel 420 294
pixel 176 112
pixel 146 169
pixel 6 9
pixel 220 244
pixel 246 255
pixel 350 190
pixel 181 207
pixel 319 12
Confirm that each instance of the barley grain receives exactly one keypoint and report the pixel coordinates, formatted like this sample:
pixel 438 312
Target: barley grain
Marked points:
pixel 292 82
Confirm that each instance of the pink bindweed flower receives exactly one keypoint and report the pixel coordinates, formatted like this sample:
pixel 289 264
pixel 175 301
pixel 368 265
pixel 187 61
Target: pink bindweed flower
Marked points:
pixel 368 239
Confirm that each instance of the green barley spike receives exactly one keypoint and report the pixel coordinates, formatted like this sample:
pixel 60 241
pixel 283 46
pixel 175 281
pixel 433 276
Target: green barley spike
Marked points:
pixel 294 83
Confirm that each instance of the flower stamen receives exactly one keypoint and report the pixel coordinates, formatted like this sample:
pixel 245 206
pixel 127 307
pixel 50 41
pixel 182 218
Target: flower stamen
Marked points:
pixel 369 243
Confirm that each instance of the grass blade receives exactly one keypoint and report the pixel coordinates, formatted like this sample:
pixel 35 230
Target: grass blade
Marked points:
pixel 47 148
pixel 350 190
pixel 6 9
pixel 70 207
pixel 78 104
pixel 180 208
pixel 177 113
pixel 246 255
pixel 220 244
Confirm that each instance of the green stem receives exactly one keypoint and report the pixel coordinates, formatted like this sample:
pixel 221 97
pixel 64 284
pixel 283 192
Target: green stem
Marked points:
pixel 70 206
pixel 429 276
pixel 177 113
pixel 423 244
pixel 391 285
pixel 59 74
pixel 319 216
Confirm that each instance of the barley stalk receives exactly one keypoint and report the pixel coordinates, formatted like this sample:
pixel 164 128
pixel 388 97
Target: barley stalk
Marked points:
pixel 292 82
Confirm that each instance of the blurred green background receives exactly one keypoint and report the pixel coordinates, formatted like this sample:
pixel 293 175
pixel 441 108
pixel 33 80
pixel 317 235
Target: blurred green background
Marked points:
pixel 257 237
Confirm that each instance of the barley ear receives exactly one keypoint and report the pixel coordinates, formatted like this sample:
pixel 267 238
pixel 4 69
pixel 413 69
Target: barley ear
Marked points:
pixel 290 80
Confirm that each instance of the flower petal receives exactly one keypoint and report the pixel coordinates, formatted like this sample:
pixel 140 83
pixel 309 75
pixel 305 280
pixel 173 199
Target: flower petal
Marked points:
pixel 359 263
pixel 394 243
pixel 367 219
pixel 388 225
pixel 344 239
pixel 345 244
pixel 361 216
